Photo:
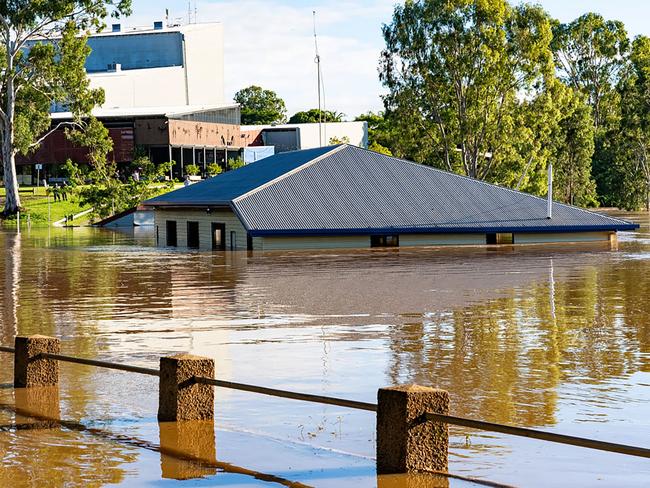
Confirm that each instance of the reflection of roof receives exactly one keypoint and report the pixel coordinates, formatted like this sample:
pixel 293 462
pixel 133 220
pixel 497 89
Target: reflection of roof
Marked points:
pixel 161 111
pixel 348 190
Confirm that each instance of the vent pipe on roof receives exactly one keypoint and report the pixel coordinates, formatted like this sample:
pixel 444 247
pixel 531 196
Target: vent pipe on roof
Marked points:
pixel 549 213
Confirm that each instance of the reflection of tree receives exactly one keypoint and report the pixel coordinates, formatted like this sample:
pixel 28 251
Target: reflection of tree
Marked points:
pixel 502 360
pixel 12 277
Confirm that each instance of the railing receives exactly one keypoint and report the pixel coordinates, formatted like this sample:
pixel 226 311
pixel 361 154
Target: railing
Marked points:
pixel 399 409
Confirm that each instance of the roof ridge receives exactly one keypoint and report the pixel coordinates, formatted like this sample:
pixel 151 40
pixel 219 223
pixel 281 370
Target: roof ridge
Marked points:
pixel 334 150
pixel 487 183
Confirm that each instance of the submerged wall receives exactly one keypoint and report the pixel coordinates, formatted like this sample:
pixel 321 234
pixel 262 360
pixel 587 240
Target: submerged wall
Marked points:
pixel 205 221
pixel 236 236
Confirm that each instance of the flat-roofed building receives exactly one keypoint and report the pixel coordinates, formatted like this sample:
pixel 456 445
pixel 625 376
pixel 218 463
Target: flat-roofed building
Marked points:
pixel 197 135
pixel 347 197
pixel 158 65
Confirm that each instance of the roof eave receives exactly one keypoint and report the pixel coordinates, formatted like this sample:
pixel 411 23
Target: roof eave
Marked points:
pixel 185 206
pixel 439 230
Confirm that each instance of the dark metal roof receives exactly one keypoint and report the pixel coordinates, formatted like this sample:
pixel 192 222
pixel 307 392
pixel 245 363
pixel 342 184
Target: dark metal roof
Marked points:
pixel 349 190
pixel 224 188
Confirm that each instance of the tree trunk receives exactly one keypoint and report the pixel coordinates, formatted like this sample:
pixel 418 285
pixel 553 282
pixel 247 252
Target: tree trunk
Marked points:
pixel 12 202
pixel 12 198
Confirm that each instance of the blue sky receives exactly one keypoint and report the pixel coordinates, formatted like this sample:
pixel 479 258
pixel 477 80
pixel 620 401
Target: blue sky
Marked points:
pixel 270 42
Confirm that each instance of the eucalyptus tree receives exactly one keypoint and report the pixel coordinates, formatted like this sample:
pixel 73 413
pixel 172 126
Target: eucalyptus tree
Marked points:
pixel 631 169
pixel 456 71
pixel 42 55
pixel 590 53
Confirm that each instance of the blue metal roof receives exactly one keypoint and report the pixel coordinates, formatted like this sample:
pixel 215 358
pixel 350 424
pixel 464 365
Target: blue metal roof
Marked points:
pixel 224 188
pixel 349 190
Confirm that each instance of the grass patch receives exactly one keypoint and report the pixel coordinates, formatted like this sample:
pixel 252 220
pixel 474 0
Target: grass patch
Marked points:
pixel 37 209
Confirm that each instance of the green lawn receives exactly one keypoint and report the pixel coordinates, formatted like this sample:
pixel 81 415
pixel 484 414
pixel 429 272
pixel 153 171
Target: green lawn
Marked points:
pixel 36 206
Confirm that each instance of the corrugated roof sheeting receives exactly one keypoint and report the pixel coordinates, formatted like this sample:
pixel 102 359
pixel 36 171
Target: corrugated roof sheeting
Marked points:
pixel 353 189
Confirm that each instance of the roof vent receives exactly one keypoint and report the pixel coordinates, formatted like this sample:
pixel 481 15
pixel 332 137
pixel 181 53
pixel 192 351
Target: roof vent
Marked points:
pixel 116 28
pixel 158 25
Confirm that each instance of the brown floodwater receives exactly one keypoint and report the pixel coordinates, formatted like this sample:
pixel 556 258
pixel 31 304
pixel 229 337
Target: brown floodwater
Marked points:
pixel 552 337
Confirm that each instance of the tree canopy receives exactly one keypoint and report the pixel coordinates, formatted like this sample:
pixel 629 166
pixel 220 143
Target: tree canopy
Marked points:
pixel 498 92
pixel 260 106
pixel 315 115
pixel 42 55
pixel 454 69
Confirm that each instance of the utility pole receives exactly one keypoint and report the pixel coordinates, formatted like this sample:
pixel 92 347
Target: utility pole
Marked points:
pixel 317 61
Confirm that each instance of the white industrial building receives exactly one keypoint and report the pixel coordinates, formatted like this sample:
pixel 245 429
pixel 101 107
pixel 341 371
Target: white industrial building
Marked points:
pixel 148 67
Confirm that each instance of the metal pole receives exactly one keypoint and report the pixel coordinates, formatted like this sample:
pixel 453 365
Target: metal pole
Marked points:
pixel 181 161
pixel 171 168
pixel 550 192
pixel 317 61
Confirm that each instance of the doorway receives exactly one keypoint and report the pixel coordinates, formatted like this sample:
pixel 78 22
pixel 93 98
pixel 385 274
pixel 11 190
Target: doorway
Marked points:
pixel 171 233
pixel 218 237
pixel 193 235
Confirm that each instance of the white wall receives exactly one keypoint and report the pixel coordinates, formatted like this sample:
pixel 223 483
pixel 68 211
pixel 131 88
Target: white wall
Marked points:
pixel 204 58
pixel 151 87
pixel 356 132
pixel 142 87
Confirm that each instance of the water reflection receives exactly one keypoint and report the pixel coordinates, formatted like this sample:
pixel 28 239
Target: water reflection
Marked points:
pixel 541 336
pixel 187 449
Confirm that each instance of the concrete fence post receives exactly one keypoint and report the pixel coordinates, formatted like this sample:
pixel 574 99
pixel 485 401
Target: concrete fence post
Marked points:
pixel 180 398
pixel 29 369
pixel 406 442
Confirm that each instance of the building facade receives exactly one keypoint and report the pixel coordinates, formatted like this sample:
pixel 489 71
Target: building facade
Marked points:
pixel 159 65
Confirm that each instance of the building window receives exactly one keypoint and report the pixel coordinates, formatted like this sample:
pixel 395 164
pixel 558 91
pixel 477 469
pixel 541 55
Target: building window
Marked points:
pixel 384 241
pixel 171 233
pixel 500 238
pixel 193 235
pixel 233 240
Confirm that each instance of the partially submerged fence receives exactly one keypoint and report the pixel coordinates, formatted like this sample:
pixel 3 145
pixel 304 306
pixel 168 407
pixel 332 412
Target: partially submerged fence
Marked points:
pixel 412 421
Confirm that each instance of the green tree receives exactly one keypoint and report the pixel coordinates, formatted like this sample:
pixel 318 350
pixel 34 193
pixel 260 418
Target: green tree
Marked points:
pixel 376 147
pixel 572 150
pixel 630 172
pixel 339 140
pixel 100 186
pixel 455 69
pixel 214 169
pixel 236 163
pixel 590 54
pixel 315 115
pixel 259 106
pixel 380 131
pixel 192 169
pixel 35 74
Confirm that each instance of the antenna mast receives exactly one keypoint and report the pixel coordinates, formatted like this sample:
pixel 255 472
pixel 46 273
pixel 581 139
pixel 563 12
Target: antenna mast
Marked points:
pixel 317 61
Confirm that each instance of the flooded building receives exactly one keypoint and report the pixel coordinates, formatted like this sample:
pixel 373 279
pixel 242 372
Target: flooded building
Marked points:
pixel 347 197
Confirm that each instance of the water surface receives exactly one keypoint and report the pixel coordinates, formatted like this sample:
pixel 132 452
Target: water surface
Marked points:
pixel 553 337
